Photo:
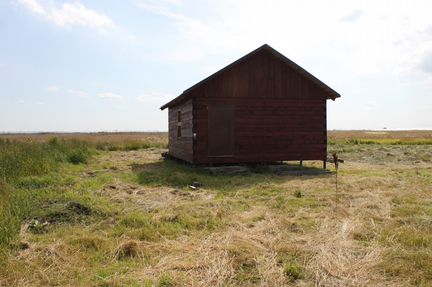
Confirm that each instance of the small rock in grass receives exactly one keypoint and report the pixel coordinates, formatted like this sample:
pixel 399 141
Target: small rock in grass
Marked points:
pixel 196 184
pixel 37 227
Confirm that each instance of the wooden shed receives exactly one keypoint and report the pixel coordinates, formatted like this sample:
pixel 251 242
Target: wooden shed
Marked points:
pixel 261 108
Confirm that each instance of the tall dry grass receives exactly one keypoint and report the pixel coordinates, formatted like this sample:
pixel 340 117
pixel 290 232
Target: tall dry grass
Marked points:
pixel 102 140
pixel 381 137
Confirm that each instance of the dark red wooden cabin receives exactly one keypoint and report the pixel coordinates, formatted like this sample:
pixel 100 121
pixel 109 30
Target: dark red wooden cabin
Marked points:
pixel 261 108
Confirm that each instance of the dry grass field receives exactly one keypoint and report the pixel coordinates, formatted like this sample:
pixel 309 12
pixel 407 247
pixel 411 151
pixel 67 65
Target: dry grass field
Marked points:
pixel 382 134
pixel 112 213
pixel 115 137
pixel 102 140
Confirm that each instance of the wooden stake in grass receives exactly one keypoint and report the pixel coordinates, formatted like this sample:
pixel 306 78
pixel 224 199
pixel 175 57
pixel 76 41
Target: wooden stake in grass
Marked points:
pixel 336 163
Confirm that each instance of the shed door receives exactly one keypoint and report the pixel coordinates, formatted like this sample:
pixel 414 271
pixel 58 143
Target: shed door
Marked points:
pixel 220 130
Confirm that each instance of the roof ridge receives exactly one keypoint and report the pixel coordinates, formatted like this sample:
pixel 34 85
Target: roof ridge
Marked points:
pixel 291 63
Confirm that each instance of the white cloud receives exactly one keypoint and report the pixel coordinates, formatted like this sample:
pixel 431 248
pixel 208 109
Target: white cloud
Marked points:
pixel 76 93
pixel 109 96
pixel 20 102
pixel 32 5
pixel 69 14
pixel 40 103
pixel 52 88
pixel 195 30
pixel 78 14
pixel 177 2
pixel 366 38
pixel 193 27
pixel 353 16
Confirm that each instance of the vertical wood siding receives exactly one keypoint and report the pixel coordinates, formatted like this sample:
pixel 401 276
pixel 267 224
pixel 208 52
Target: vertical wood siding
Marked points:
pixel 181 147
pixel 278 113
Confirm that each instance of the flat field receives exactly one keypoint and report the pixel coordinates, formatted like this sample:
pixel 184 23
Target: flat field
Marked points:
pixel 106 210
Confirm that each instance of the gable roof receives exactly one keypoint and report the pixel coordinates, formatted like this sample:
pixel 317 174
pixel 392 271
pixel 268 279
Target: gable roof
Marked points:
pixel 332 94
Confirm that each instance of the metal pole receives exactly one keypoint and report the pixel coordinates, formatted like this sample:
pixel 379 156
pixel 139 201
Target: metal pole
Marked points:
pixel 336 163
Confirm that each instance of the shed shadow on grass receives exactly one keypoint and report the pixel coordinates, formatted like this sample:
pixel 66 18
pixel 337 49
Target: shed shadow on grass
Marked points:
pixel 176 174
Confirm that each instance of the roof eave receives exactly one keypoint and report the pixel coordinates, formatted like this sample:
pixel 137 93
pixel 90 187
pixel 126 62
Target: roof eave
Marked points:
pixel 333 96
pixel 174 101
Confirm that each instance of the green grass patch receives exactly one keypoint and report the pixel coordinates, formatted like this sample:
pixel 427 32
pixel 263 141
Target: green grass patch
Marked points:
pixel 166 281
pixel 293 272
pixel 174 174
pixel 292 259
pixel 19 158
pixel 415 265
pixel 389 141
pixel 153 226
pixel 25 180
pixel 409 240
pixel 128 145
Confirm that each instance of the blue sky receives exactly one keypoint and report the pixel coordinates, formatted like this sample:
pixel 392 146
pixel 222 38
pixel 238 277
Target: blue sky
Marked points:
pixel 109 65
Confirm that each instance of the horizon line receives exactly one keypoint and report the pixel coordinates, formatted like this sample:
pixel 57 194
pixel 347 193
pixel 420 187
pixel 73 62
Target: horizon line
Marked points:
pixel 156 131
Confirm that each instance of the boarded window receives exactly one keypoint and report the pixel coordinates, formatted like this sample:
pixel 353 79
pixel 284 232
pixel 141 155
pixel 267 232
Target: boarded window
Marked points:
pixel 220 130
pixel 179 124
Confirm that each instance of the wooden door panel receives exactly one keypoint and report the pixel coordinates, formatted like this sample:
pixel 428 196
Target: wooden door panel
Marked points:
pixel 220 130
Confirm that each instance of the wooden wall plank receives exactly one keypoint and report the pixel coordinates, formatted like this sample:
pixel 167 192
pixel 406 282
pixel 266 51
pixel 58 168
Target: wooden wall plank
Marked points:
pixel 279 114
pixel 181 147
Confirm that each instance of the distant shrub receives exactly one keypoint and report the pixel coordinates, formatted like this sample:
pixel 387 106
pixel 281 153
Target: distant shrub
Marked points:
pixel 128 145
pixel 384 141
pixel 53 141
pixel 132 146
pixel 77 157
pixel 361 141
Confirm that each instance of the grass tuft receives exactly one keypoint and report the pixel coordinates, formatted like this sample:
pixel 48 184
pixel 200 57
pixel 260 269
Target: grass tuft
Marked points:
pixel 298 193
pixel 166 281
pixel 293 272
pixel 128 249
